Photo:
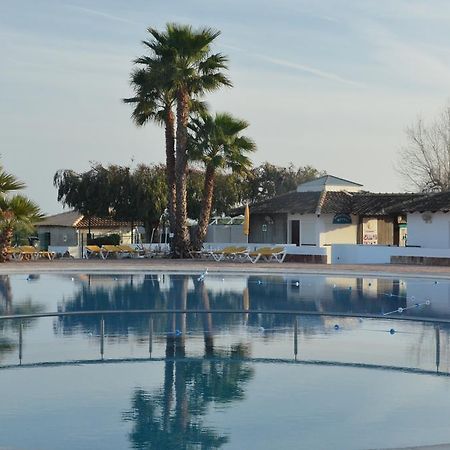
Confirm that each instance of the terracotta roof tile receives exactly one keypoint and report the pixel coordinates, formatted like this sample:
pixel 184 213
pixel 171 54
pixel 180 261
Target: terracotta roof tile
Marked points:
pixel 75 219
pixel 106 222
pixel 433 202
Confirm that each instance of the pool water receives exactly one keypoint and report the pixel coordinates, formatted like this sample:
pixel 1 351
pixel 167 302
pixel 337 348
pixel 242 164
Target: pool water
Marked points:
pixel 233 381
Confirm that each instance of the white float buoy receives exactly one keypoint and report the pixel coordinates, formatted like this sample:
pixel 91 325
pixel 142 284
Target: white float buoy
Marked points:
pixel 203 275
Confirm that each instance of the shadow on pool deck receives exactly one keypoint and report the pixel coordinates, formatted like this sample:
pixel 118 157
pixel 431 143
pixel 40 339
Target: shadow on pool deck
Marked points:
pixel 188 265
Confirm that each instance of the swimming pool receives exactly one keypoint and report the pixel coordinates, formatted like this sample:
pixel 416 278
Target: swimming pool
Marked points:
pixel 223 380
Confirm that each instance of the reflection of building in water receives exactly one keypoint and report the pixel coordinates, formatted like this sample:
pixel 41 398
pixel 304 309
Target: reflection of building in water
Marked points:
pixel 341 294
pixel 108 282
pixel 437 292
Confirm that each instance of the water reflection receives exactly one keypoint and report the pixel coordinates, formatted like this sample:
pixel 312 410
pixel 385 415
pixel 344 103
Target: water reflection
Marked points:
pixel 307 293
pixel 7 308
pixel 174 415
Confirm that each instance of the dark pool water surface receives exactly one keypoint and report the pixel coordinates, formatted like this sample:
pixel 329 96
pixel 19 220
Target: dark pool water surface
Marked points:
pixel 243 380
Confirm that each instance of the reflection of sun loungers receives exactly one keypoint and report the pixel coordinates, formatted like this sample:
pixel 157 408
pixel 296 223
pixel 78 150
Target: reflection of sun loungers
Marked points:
pixel 268 254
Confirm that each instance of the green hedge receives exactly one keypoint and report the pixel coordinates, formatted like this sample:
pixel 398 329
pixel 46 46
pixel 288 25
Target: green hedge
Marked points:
pixel 110 239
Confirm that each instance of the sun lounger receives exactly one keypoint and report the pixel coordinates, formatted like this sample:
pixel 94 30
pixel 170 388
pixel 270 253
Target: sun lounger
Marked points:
pixel 47 254
pixel 218 255
pixel 29 252
pixel 237 253
pixel 134 251
pixel 278 254
pixel 116 250
pixel 229 253
pixel 267 253
pixel 14 253
pixel 93 250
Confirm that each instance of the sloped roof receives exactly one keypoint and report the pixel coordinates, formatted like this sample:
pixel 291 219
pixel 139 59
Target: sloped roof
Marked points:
pixel 312 202
pixel 105 222
pixel 77 220
pixel 327 180
pixel 433 202
pixel 292 202
pixel 377 204
pixel 334 202
pixel 65 219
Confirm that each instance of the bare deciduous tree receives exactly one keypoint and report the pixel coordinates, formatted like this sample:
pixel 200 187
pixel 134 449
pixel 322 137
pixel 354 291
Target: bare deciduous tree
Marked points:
pixel 425 159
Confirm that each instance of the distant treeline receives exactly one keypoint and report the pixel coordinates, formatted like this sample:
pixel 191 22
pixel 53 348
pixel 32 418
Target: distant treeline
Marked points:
pixel 140 194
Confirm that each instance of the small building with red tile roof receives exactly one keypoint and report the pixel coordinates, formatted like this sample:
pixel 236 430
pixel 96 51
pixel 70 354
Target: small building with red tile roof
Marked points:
pixel 71 228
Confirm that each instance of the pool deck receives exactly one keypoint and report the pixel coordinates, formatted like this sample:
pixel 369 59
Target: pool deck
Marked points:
pixel 198 266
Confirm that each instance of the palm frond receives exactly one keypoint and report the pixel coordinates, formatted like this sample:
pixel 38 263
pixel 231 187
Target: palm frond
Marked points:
pixel 9 182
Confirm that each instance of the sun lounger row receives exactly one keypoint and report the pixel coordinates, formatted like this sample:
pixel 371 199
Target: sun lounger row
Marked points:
pixel 28 252
pixel 243 254
pixel 117 251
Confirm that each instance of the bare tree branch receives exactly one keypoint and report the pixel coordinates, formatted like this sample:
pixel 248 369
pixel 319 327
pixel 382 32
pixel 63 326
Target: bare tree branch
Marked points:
pixel 424 162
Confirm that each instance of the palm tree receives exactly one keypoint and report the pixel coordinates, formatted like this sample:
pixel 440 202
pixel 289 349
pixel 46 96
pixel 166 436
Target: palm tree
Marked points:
pixel 192 70
pixel 154 100
pixel 218 143
pixel 14 210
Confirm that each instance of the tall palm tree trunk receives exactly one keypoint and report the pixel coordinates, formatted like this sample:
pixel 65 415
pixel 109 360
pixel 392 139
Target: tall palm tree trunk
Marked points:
pixel 207 323
pixel 6 237
pixel 208 190
pixel 170 166
pixel 182 241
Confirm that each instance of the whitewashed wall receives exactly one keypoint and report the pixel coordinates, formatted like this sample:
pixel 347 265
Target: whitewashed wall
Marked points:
pixel 379 254
pixel 226 233
pixel 337 234
pixel 309 228
pixel 432 234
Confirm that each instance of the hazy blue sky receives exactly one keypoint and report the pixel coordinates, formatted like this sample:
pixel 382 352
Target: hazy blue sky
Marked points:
pixel 327 83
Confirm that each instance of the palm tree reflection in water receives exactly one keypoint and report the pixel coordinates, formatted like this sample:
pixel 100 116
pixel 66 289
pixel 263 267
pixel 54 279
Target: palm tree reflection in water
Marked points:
pixel 173 417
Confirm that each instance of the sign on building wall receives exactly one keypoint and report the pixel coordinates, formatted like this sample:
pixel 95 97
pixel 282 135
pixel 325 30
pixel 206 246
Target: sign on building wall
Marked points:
pixel 342 219
pixel 370 231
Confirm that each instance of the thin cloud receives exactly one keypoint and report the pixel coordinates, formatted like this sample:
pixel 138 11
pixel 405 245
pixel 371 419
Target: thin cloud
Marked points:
pixel 415 62
pixel 308 69
pixel 94 12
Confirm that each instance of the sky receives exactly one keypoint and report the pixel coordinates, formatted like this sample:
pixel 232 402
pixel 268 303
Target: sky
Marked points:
pixel 329 83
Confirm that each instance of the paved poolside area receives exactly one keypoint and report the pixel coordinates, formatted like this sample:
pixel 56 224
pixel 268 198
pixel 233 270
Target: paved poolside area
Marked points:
pixel 197 266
